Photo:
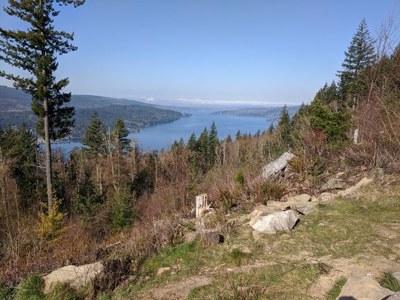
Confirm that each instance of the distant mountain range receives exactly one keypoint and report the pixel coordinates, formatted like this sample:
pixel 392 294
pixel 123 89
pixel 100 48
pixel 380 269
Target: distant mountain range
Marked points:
pixel 258 111
pixel 15 109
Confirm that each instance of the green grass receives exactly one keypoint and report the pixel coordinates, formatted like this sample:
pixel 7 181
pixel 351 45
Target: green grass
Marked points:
pixel 390 282
pixel 31 288
pixel 336 289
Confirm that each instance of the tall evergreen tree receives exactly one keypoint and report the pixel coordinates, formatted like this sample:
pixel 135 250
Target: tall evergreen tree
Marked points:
pixel 19 146
pixel 120 134
pixel 95 137
pixel 192 142
pixel 284 125
pixel 359 56
pixel 212 144
pixel 35 51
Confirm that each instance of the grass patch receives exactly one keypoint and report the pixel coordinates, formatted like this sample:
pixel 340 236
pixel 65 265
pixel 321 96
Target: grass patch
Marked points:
pixel 182 254
pixel 336 289
pixel 283 281
pixel 390 282
pixel 31 288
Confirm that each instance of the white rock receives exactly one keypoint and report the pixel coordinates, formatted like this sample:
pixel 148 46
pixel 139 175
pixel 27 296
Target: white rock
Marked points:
pixel 283 220
pixel 363 287
pixel 76 276
pixel 160 271
pixel 277 165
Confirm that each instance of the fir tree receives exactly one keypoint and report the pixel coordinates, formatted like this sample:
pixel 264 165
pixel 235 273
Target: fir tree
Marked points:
pixel 359 56
pixel 95 137
pixel 284 126
pixel 120 134
pixel 35 51
pixel 212 144
pixel 192 142
pixel 19 146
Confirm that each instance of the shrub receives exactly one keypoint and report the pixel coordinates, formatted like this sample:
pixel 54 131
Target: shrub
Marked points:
pixel 122 213
pixel 31 288
pixel 239 179
pixel 271 190
pixel 50 223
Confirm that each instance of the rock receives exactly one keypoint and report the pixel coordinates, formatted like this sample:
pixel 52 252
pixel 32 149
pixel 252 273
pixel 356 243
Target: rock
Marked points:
pixel 351 190
pixel 160 271
pixel 283 220
pixel 241 248
pixel 397 276
pixel 395 296
pixel 278 165
pixel 211 237
pixel 333 184
pixel 76 276
pixel 363 287
pixel 324 197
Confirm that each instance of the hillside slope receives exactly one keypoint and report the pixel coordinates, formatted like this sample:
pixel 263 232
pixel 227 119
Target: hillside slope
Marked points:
pixel 15 109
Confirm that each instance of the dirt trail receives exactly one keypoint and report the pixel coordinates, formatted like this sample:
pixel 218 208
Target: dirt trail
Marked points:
pixel 176 291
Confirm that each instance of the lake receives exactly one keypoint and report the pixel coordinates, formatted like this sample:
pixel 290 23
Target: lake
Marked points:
pixel 162 136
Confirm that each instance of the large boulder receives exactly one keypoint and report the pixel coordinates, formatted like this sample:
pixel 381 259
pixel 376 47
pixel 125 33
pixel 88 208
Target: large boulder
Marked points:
pixel 282 220
pixel 75 276
pixel 272 169
pixel 363 287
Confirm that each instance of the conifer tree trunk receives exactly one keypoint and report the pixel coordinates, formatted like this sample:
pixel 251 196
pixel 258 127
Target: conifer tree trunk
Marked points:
pixel 49 177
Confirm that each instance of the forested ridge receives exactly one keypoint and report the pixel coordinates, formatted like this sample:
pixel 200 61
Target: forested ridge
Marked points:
pixel 15 111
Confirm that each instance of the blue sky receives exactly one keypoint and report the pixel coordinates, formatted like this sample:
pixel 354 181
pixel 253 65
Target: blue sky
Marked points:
pixel 211 51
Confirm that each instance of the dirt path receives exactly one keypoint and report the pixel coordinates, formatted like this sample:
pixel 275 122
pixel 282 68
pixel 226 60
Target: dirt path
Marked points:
pixel 176 291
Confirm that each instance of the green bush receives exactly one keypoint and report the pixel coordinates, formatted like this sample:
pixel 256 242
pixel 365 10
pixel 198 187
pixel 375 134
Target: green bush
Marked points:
pixel 122 213
pixel 31 288
pixel 271 190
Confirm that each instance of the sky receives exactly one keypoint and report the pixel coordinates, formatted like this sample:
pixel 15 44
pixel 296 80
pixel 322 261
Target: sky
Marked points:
pixel 252 52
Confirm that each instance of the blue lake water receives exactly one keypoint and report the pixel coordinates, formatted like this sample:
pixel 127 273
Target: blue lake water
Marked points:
pixel 162 136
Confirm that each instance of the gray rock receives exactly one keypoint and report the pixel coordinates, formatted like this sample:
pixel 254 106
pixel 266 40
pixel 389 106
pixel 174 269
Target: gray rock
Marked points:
pixel 363 287
pixel 283 220
pixel 395 296
pixel 397 276
pixel 76 276
pixel 333 184
pixel 272 169
pixel 352 190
